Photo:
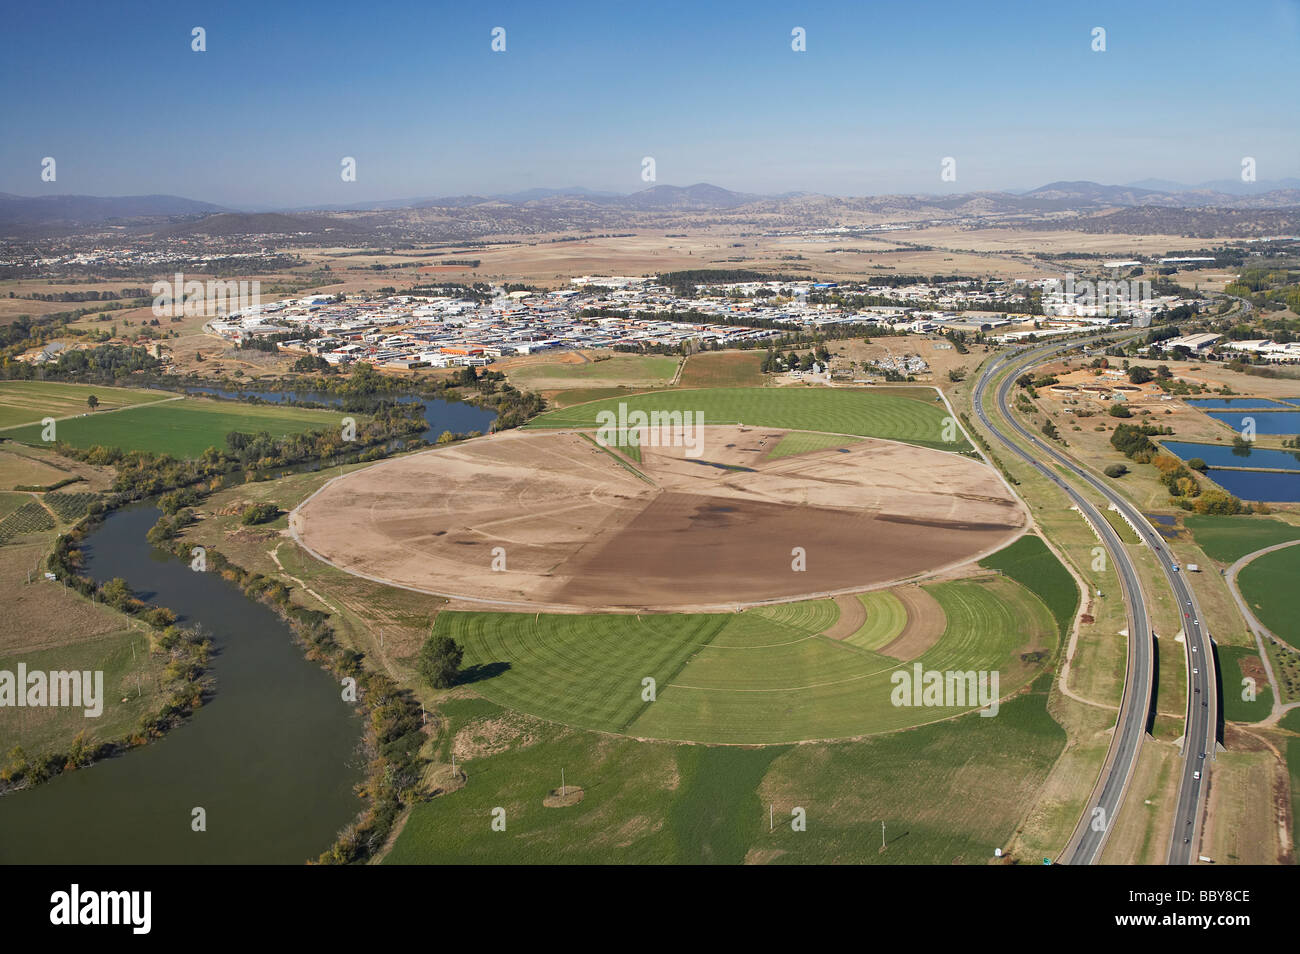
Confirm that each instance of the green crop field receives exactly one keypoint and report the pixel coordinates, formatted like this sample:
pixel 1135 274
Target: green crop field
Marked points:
pixel 1235 708
pixel 841 411
pixel 1031 564
pixel 886 617
pixel 26 402
pixel 1228 539
pixel 1268 584
pixel 947 793
pixel 580 670
pixel 183 428
pixel 801 442
pixel 808 616
pixel 764 676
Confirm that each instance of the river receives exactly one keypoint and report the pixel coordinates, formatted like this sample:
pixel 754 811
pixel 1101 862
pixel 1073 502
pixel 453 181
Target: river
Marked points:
pixel 459 417
pixel 272 756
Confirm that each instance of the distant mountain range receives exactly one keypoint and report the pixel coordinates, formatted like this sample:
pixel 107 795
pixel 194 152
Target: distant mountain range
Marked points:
pixel 89 209
pixel 540 210
pixel 1222 186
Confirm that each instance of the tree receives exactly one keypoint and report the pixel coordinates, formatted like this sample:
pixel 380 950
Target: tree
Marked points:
pixel 439 661
pixel 115 592
pixel 92 402
pixel 1139 374
pixel 1116 470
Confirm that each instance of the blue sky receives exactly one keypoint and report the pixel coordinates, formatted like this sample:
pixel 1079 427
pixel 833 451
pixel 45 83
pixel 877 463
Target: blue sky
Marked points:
pixel 413 91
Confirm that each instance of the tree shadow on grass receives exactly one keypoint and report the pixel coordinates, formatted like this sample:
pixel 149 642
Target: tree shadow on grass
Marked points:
pixel 480 672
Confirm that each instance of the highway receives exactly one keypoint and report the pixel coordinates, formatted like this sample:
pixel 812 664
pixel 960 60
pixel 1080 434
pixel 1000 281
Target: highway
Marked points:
pixel 1201 721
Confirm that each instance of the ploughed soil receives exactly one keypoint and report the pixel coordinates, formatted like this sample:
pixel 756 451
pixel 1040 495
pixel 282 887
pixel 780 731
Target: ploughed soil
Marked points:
pixel 550 520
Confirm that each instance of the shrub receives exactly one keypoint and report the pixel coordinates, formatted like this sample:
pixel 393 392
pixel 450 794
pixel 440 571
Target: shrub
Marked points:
pixel 259 513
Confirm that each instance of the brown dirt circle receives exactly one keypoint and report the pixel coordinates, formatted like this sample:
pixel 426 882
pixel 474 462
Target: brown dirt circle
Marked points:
pixel 572 795
pixel 550 521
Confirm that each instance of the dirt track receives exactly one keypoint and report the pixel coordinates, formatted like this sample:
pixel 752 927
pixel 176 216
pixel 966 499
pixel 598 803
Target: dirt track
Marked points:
pixel 577 530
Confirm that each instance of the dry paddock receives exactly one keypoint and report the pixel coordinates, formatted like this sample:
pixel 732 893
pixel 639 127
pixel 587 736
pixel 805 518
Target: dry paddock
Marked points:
pixel 576 529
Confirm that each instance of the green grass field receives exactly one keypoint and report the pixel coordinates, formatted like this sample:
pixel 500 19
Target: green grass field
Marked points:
pixel 183 428
pixel 1235 708
pixel 579 670
pixel 51 729
pixel 1269 585
pixel 1120 526
pixel 886 617
pixel 841 411
pixel 1031 564
pixel 1228 539
pixel 948 793
pixel 801 442
pixel 764 676
pixel 26 402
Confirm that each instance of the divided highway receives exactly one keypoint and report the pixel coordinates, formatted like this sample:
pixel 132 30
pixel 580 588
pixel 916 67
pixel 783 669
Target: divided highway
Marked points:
pixel 1201 723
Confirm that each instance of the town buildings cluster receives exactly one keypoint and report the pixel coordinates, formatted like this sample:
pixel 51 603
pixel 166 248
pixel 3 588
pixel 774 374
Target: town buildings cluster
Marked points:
pixel 442 330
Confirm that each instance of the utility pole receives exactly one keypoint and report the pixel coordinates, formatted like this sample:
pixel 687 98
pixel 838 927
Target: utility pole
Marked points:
pixel 563 788
pixel 771 818
pixel 882 834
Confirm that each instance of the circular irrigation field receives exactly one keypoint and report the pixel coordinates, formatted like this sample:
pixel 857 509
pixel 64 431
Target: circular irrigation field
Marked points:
pixel 552 519
pixel 768 675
